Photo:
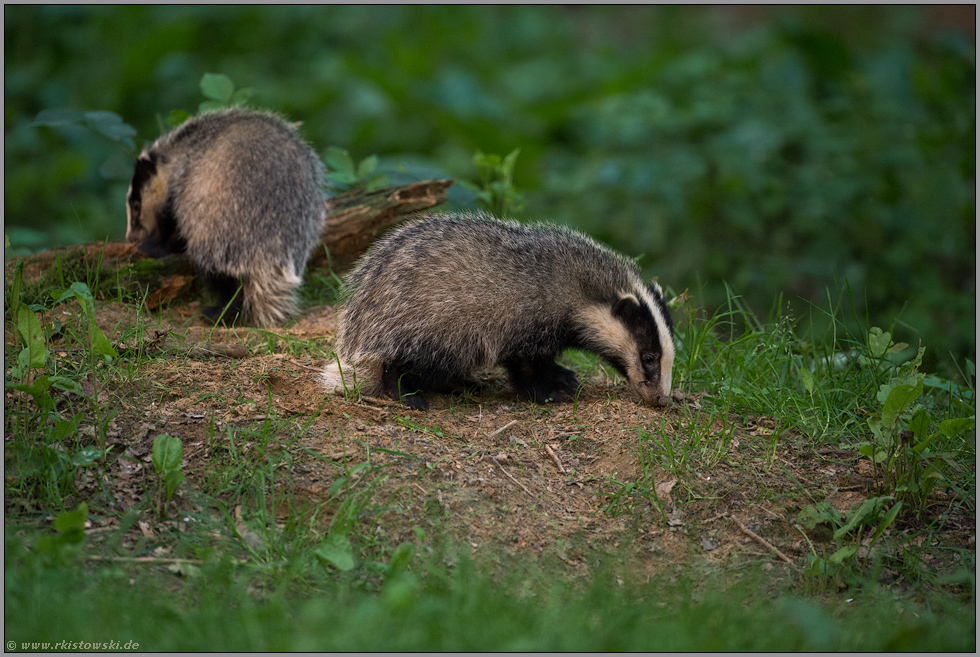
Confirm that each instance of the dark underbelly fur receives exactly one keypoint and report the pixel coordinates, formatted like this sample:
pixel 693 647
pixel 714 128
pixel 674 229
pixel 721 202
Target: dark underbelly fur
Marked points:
pixel 538 378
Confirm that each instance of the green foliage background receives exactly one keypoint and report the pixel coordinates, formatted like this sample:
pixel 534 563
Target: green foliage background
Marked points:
pixel 786 154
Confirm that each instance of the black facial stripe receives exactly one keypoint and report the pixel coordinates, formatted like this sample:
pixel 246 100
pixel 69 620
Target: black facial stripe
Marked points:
pixel 658 299
pixel 639 320
pixel 618 363
pixel 168 228
pixel 146 168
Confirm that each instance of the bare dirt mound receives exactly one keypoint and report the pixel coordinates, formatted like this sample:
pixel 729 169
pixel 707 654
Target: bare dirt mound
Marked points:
pixel 503 475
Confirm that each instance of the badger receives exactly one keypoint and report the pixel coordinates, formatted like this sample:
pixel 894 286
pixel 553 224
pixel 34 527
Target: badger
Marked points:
pixel 241 193
pixel 448 295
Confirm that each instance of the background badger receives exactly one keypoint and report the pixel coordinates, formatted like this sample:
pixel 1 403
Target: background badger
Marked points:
pixel 441 298
pixel 241 193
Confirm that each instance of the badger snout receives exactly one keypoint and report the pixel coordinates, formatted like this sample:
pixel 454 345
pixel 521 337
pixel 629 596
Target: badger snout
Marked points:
pixel 653 393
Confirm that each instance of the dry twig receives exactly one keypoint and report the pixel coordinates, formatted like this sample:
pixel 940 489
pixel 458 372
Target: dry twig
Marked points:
pixel 497 463
pixel 503 428
pixel 96 557
pixel 554 457
pixel 761 541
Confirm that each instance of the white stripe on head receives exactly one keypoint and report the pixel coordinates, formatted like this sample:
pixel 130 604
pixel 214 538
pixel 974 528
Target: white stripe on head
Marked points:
pixel 664 334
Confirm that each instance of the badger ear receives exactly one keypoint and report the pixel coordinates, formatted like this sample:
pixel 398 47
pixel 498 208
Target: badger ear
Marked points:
pixel 626 307
pixel 146 168
pixel 656 290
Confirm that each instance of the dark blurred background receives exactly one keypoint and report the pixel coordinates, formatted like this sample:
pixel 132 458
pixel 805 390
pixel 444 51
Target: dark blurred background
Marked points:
pixel 781 150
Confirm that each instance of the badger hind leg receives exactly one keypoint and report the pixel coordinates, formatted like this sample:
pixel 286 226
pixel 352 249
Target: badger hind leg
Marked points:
pixel 407 380
pixel 270 297
pixel 404 386
pixel 541 379
pixel 230 296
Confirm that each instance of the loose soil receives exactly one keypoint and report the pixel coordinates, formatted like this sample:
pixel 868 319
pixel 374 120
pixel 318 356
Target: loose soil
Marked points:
pixel 505 476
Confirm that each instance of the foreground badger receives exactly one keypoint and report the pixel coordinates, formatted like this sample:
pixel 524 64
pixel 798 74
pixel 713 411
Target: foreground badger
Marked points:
pixel 241 193
pixel 441 298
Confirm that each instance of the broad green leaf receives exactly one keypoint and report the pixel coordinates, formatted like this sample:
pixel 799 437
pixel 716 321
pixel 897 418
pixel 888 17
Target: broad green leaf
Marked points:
pixel 375 182
pixel 209 105
pixel 919 424
pixel 341 178
pixel 217 86
pixel 878 341
pixel 865 514
pixel 338 159
pixel 401 593
pixel 87 456
pixel 400 559
pixel 866 449
pixel 337 486
pixel 930 479
pixel 100 344
pixel 171 480
pixel 112 126
pixel 814 566
pixel 177 117
pixel 81 292
pixel 67 428
pixel 955 426
pixel 486 160
pixel 842 554
pixel 167 453
pixel 32 334
pixel 242 95
pixel 58 117
pixel 367 166
pixel 71 524
pixel 898 401
pixel 820 513
pixel 807 379
pixel 881 438
pixel 66 384
pixel 507 166
pixel 337 551
pixel 921 446
pixel 38 390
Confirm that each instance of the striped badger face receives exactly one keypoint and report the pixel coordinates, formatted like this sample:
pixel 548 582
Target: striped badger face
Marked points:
pixel 637 338
pixel 150 218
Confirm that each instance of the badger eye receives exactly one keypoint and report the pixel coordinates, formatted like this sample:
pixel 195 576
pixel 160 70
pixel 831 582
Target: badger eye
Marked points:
pixel 648 359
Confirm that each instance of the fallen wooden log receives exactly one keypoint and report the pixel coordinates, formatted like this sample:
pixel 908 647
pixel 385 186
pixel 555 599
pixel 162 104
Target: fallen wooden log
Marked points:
pixel 354 220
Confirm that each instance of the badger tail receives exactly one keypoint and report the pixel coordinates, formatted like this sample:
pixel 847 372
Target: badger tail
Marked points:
pixel 270 300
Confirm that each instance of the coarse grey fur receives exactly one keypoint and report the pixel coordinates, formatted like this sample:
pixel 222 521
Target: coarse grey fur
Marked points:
pixel 242 194
pixel 446 296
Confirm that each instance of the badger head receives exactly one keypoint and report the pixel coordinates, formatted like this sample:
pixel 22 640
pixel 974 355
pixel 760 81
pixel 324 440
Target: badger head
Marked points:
pixel 636 336
pixel 150 217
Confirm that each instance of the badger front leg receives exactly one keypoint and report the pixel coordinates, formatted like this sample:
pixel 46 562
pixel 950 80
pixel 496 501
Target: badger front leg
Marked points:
pixel 541 379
